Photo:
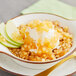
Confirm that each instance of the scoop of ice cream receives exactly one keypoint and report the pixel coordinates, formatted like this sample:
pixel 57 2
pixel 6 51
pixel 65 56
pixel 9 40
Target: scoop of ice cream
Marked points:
pixel 43 34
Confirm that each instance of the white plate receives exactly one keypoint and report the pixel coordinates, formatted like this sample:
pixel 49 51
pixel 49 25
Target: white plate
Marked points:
pixel 7 63
pixel 69 67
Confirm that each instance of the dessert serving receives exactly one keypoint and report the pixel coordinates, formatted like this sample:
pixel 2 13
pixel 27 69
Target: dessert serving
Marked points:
pixel 37 40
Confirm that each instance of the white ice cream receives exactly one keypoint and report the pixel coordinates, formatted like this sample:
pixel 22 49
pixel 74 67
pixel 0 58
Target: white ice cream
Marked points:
pixel 35 35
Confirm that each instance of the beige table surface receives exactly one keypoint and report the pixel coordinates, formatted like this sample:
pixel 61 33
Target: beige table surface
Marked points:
pixel 12 8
